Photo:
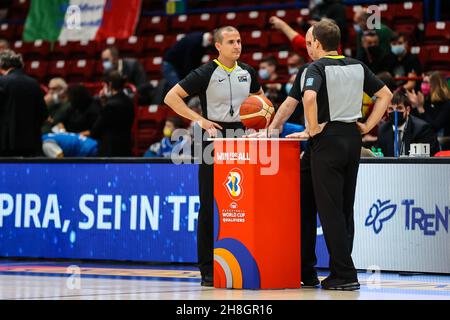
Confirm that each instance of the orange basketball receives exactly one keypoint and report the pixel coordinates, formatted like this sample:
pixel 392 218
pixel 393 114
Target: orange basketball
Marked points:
pixel 256 112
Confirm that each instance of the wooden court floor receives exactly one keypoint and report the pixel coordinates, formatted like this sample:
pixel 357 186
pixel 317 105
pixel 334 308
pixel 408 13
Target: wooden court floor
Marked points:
pixel 44 280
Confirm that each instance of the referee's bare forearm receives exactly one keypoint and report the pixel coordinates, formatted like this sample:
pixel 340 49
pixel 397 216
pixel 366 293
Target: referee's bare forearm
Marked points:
pixel 174 99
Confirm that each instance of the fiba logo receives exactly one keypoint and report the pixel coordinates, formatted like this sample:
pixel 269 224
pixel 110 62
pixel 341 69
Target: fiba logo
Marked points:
pixel 233 184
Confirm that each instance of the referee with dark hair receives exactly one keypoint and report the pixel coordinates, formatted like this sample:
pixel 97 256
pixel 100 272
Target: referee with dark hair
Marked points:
pixel 332 98
pixel 222 85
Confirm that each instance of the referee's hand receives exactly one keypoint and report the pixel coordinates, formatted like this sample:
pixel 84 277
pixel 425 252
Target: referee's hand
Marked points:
pixel 363 128
pixel 209 126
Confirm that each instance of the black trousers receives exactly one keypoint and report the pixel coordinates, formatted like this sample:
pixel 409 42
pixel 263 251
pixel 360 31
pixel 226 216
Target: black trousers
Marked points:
pixel 205 223
pixel 335 155
pixel 308 218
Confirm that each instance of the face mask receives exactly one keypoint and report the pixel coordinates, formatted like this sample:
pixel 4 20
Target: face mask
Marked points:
pixel 288 87
pixel 425 88
pixel 264 74
pixel 167 132
pixel 107 64
pixel 55 98
pixel 292 71
pixel 400 118
pixel 374 51
pixel 357 28
pixel 398 49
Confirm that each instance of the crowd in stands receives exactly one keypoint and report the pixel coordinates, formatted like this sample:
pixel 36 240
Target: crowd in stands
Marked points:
pixel 59 119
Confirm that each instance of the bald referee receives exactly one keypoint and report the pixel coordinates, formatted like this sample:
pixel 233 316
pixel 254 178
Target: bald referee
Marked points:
pixel 332 97
pixel 222 85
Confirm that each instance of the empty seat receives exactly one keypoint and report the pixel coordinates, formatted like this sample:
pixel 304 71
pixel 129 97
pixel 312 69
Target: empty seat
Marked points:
pixel 254 40
pixel 437 32
pixel 153 67
pixel 133 46
pixel 58 68
pixel 180 23
pixel 81 70
pixel 158 43
pixel 149 25
pixel 407 12
pixel 37 69
pixel 252 20
pixel 203 22
pixel 7 31
pixel 252 59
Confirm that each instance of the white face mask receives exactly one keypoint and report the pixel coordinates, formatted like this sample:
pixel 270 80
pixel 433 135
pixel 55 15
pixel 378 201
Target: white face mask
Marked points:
pixel 264 74
pixel 55 98
pixel 292 71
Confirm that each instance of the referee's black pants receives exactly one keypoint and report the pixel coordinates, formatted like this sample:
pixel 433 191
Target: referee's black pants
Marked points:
pixel 205 226
pixel 308 218
pixel 335 154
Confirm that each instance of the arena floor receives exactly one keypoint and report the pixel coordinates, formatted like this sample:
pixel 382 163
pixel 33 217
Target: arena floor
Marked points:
pixel 37 280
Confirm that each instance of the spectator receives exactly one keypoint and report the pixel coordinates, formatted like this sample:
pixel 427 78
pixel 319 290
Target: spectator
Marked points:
pixel 22 109
pixel 298 42
pixel 83 112
pixel 410 129
pixel 185 56
pixel 432 104
pixel 360 25
pixel 294 62
pixel 130 68
pixel 401 63
pixel 58 105
pixel 68 145
pixel 4 45
pixel 373 55
pixel 112 130
pixel 166 145
pixel 275 92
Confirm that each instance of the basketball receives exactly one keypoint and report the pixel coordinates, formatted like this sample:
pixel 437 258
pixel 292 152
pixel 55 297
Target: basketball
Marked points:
pixel 256 112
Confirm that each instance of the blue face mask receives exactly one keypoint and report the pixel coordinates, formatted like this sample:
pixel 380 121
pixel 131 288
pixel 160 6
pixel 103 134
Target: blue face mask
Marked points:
pixel 288 87
pixel 398 49
pixel 357 28
pixel 264 74
pixel 107 65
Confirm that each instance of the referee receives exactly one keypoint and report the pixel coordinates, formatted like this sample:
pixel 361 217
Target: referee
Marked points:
pixel 222 85
pixel 332 97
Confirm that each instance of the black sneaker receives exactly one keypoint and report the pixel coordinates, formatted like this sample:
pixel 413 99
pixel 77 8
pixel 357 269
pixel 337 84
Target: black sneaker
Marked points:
pixel 310 283
pixel 207 281
pixel 332 283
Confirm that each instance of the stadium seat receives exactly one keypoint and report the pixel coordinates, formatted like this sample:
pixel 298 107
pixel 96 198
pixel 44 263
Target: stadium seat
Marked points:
pixel 133 46
pixel 438 57
pixel 152 25
pixel 158 43
pixel 148 125
pixel 81 70
pixel 230 19
pixel 252 20
pixel 84 49
pixel 252 59
pixel 277 39
pixel 181 23
pixel 61 50
pixel 37 69
pixel 254 40
pixel 407 12
pixel 58 68
pixel 153 67
pixel 203 22
pixel 437 32
pixel 32 50
pixel 7 31
pixel 290 15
